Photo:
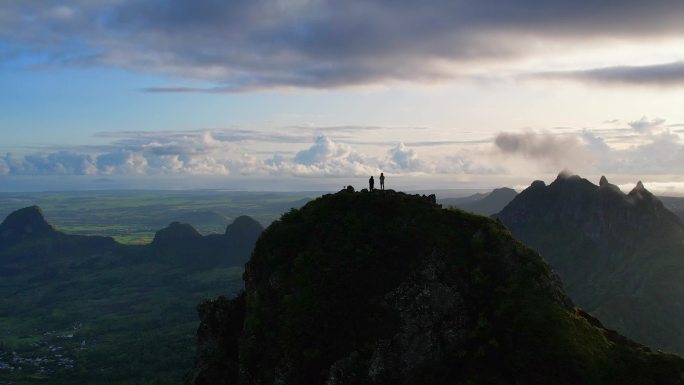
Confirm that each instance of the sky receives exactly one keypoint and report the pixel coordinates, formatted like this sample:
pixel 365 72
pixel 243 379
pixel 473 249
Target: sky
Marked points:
pixel 310 94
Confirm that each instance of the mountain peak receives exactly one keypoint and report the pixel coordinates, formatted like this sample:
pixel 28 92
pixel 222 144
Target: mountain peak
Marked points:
pixel 605 186
pixel 639 192
pixel 389 288
pixel 243 224
pixel 503 191
pixel 25 222
pixel 566 174
pixel 175 232
pixel 538 184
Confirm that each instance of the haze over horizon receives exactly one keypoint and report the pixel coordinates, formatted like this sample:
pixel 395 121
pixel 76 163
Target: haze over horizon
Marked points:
pixel 314 94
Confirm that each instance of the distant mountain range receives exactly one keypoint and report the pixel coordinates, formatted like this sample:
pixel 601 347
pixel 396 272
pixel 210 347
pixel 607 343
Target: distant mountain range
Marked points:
pixel 79 309
pixel 620 256
pixel 483 203
pixel 388 288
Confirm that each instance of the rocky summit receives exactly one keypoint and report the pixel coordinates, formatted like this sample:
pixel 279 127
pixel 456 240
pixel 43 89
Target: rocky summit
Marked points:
pixel 389 288
pixel 620 256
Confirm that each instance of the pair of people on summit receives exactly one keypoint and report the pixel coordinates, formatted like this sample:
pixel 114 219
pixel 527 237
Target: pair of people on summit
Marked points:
pixel 371 182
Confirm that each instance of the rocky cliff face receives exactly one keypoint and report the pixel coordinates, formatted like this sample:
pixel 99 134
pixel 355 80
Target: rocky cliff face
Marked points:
pixel 387 288
pixel 621 256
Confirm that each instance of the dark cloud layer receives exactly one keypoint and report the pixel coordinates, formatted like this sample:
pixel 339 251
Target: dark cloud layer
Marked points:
pixel 663 75
pixel 253 44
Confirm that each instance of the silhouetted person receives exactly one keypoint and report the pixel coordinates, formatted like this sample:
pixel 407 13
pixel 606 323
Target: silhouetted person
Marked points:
pixel 371 183
pixel 382 181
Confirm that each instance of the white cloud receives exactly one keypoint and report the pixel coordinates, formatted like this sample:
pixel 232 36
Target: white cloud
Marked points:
pixel 61 162
pixel 645 125
pixel 403 158
pixel 324 158
pixel 122 162
pixel 324 150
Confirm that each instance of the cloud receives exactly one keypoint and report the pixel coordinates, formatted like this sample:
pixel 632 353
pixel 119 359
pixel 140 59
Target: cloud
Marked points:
pixel 655 152
pixel 122 162
pixel 402 158
pixel 324 158
pixel 60 163
pixel 193 153
pixel 653 148
pixel 257 44
pixel 662 154
pixel 541 146
pixel 469 164
pixel 324 150
pixel 662 75
pixel 647 125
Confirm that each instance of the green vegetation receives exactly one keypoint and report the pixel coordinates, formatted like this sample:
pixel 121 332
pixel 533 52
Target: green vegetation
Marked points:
pixel 86 310
pixel 95 320
pixel 387 288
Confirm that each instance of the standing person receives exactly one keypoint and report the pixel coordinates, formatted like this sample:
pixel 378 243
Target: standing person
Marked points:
pixel 382 181
pixel 371 183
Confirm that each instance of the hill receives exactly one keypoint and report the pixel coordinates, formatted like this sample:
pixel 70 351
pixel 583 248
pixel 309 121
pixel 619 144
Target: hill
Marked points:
pixel 483 204
pixel 388 288
pixel 87 310
pixel 621 256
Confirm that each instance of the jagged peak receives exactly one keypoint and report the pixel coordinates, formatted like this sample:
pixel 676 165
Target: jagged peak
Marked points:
pixel 26 221
pixel 640 192
pixel 604 185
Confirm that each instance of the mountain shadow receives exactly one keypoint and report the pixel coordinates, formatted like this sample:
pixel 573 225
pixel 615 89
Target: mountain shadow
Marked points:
pixel 389 288
pixel 621 256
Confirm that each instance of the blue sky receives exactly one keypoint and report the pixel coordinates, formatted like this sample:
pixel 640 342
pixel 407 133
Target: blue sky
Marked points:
pixel 313 92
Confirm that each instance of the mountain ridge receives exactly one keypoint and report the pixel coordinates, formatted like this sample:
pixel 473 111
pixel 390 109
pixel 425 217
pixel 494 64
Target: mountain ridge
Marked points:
pixel 387 288
pixel 621 256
